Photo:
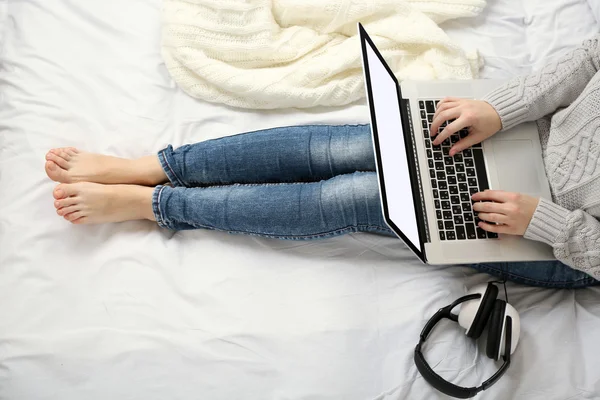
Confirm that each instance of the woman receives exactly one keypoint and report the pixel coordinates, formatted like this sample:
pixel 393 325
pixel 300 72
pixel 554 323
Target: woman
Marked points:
pixel 319 181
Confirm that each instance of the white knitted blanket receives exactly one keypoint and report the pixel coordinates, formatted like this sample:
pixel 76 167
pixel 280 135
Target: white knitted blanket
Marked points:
pixel 267 54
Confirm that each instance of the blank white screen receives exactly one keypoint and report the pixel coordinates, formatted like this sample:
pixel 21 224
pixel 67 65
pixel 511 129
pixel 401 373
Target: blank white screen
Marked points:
pixel 391 146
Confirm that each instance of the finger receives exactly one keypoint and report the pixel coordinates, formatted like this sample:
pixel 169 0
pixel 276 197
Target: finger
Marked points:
pixel 489 207
pixel 445 116
pixel 438 118
pixel 492 195
pixel 450 99
pixel 453 127
pixel 444 106
pixel 493 217
pixel 464 143
pixel 495 228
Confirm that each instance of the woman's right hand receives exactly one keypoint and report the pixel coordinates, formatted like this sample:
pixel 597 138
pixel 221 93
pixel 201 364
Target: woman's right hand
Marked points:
pixel 479 117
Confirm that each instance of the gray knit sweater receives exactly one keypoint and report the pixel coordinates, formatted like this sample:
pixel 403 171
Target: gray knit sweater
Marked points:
pixel 565 99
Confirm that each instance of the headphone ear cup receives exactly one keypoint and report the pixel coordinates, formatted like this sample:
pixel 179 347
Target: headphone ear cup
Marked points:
pixel 483 312
pixel 515 328
pixel 495 326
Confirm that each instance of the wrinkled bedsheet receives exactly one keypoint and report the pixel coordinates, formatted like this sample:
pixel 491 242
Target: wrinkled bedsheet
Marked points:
pixel 131 311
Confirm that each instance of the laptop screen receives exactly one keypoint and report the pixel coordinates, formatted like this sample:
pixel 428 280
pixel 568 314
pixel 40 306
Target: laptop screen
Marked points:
pixel 391 153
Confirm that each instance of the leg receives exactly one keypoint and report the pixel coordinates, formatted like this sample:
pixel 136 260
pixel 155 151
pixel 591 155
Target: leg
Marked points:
pixel 291 154
pixel 553 274
pixel 343 204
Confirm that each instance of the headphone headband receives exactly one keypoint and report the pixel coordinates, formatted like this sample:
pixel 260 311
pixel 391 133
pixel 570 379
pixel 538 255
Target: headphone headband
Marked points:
pixel 445 312
pixel 436 380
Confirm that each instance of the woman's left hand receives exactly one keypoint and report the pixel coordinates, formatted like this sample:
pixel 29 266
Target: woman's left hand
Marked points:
pixel 504 212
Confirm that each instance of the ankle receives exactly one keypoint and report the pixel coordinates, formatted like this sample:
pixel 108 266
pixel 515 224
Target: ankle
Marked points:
pixel 148 171
pixel 146 198
pixel 139 199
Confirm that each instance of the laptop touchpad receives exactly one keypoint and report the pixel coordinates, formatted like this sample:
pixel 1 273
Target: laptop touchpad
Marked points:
pixel 515 166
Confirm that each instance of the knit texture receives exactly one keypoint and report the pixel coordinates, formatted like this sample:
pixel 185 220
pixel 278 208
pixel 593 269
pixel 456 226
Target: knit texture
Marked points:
pixel 267 54
pixel 565 99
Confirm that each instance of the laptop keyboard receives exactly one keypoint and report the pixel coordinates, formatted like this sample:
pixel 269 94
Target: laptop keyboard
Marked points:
pixel 454 180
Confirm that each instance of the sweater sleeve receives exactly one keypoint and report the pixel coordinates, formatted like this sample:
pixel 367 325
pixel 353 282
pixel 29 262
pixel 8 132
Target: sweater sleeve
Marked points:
pixel 574 235
pixel 528 98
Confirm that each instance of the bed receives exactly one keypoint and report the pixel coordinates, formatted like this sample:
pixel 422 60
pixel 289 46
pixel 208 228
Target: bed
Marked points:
pixel 131 311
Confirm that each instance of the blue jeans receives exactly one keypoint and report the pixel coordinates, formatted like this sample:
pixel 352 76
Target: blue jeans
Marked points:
pixel 302 182
pixel 290 183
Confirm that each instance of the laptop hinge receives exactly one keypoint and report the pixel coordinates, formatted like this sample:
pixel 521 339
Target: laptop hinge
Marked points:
pixel 423 228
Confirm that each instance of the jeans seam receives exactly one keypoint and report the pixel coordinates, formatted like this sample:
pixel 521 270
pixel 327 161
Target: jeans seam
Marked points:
pixel 173 177
pixel 204 185
pixel 321 235
pixel 295 126
pixel 535 281
pixel 325 234
pixel 156 198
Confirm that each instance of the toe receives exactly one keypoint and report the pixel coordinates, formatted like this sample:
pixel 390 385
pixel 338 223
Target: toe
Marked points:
pixel 78 221
pixel 64 190
pixel 56 173
pixel 59 192
pixel 73 216
pixel 60 161
pixel 67 210
pixel 62 153
pixel 71 151
pixel 51 169
pixel 69 201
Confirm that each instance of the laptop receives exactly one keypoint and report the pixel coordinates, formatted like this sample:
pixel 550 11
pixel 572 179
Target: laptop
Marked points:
pixel 425 193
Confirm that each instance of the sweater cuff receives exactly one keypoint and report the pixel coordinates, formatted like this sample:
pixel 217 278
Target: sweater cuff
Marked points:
pixel 547 222
pixel 508 103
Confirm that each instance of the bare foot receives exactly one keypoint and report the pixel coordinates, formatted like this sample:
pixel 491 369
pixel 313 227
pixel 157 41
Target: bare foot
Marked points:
pixel 93 203
pixel 68 165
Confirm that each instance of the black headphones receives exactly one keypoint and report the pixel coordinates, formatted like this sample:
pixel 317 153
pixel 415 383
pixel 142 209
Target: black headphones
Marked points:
pixel 480 308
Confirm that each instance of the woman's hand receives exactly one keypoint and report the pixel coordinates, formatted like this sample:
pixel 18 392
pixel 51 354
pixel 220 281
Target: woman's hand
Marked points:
pixel 480 117
pixel 512 211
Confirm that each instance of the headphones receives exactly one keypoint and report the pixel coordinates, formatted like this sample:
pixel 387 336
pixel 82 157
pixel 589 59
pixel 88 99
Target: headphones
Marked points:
pixel 479 308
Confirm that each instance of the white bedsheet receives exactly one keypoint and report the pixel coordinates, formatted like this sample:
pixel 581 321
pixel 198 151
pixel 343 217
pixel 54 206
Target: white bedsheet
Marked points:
pixel 130 311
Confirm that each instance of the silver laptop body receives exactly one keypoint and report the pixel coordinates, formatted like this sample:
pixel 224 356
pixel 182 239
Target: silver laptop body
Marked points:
pixel 418 212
